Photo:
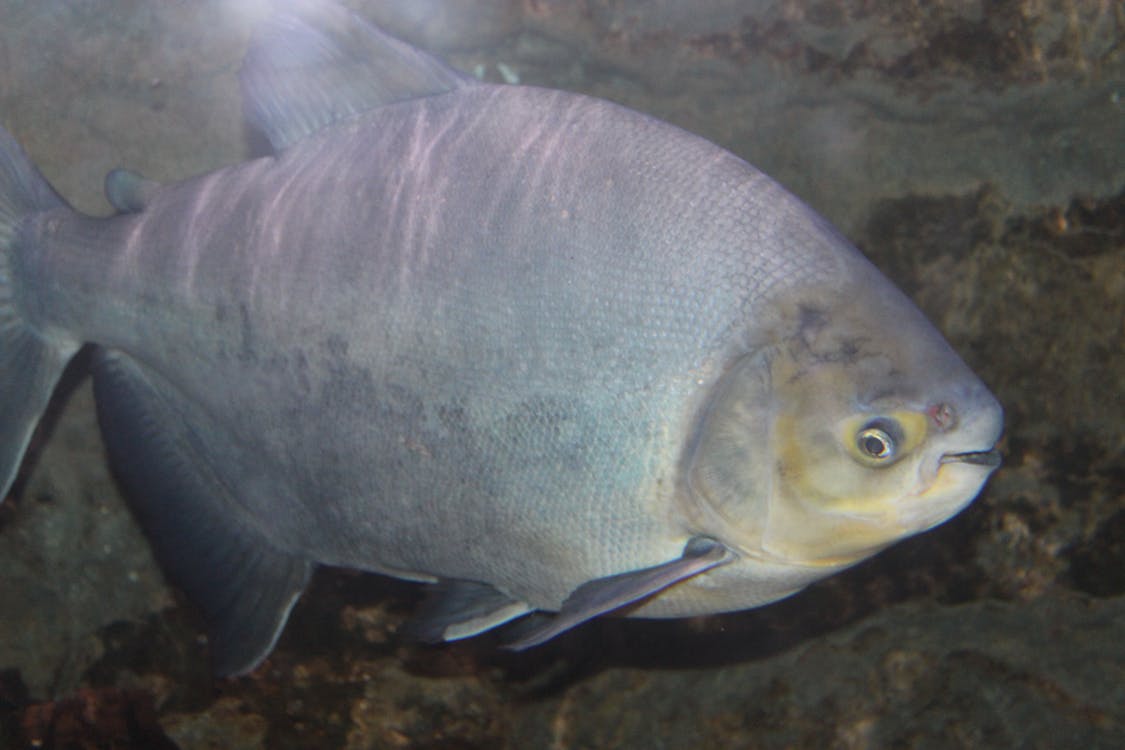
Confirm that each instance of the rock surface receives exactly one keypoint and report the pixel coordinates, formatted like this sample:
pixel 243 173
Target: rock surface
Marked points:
pixel 973 150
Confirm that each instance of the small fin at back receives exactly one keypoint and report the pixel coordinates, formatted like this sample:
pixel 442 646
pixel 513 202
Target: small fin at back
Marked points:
pixel 244 585
pixel 604 595
pixel 456 609
pixel 316 63
pixel 31 360
pixel 128 191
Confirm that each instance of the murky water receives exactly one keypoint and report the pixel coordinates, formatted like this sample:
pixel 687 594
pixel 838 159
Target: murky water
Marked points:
pixel 973 150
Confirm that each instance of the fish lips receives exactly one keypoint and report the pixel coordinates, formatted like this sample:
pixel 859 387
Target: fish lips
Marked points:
pixel 990 458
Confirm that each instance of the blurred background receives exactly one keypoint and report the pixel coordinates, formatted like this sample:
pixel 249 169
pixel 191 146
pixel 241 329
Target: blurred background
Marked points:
pixel 974 150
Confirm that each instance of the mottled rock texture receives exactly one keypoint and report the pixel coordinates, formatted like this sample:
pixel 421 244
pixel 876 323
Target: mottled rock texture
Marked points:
pixel 974 150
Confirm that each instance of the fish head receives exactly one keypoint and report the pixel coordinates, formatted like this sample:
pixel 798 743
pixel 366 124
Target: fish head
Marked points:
pixel 855 426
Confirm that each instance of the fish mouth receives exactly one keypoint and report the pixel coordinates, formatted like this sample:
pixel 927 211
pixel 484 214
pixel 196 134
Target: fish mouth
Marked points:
pixel 990 458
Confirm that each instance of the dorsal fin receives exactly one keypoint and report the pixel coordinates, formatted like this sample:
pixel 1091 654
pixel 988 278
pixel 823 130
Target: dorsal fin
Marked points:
pixel 316 63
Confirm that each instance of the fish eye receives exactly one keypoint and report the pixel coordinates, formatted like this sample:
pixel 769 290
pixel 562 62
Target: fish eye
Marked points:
pixel 878 441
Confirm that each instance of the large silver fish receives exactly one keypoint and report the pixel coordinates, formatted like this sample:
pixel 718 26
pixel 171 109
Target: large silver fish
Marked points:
pixel 535 348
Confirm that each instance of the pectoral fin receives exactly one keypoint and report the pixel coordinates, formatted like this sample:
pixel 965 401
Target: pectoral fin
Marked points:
pixel 603 595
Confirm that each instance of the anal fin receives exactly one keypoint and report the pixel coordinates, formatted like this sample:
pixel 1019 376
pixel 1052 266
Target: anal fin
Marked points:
pixel 244 585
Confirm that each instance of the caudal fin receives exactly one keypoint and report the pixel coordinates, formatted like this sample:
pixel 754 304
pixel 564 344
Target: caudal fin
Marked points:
pixel 30 362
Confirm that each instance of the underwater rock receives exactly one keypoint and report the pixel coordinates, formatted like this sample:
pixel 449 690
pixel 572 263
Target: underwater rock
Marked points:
pixel 1050 673
pixel 974 152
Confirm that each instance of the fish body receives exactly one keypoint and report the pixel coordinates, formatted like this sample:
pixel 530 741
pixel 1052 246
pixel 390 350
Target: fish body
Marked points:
pixel 535 348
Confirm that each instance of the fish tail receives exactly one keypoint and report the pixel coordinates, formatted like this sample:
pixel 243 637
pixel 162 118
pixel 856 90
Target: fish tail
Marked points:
pixel 31 361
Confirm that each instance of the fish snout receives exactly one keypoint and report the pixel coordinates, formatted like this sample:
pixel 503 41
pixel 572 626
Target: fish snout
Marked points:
pixel 972 419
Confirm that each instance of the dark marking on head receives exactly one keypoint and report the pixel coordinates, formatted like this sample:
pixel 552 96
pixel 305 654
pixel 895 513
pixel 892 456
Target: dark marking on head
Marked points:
pixel 810 322
pixel 815 342
pixel 849 350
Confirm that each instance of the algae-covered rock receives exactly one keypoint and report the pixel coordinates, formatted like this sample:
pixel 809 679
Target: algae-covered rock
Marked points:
pixel 973 150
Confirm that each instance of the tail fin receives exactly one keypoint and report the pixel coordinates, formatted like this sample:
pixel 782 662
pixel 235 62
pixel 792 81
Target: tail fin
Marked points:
pixel 30 363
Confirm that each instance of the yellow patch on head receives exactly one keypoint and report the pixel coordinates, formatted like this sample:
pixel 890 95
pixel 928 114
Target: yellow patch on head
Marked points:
pixel 833 503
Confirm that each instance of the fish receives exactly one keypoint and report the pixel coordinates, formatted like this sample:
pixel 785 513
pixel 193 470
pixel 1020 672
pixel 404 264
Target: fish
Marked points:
pixel 551 357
